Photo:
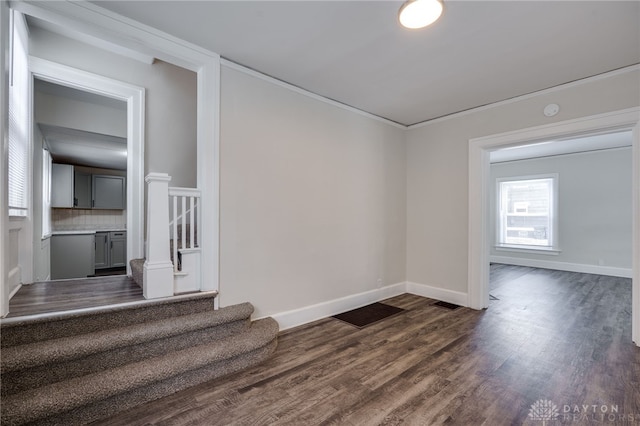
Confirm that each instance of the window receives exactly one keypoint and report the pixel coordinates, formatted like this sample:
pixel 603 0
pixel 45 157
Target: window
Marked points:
pixel 19 148
pixel 46 194
pixel 527 211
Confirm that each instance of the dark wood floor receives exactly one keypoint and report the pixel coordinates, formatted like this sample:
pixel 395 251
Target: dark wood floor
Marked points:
pixel 558 336
pixel 63 295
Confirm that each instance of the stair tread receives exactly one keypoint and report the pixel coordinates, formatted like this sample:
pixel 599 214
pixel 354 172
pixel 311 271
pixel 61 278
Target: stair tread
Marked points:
pixel 61 316
pixel 37 403
pixel 81 345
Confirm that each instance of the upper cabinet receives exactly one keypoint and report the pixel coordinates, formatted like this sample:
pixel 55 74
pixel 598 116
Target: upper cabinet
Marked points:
pixel 71 188
pixel 108 192
pixel 82 190
pixel 62 185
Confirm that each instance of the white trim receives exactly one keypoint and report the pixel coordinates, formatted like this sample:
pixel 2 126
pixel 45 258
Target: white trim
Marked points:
pixel 15 290
pixel 479 149
pixel 84 17
pixel 530 95
pixel 635 230
pixel 528 249
pixel 438 293
pixel 232 65
pixel 134 96
pixel 208 173
pixel 563 266
pixel 307 314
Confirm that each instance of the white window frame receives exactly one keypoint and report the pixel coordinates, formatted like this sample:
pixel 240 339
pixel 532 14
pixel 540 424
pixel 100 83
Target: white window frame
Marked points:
pixel 46 194
pixel 553 247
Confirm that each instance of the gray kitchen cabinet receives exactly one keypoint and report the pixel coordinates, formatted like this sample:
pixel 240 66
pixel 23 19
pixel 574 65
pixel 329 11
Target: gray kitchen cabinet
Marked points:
pixel 61 185
pixel 82 190
pixel 108 192
pixel 102 248
pixel 118 249
pixel 72 256
pixel 110 249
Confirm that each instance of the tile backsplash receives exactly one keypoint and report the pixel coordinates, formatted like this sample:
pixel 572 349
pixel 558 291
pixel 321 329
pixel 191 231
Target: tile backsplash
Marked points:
pixel 81 219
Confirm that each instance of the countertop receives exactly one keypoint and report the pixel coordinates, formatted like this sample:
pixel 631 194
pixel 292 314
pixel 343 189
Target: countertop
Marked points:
pixel 86 231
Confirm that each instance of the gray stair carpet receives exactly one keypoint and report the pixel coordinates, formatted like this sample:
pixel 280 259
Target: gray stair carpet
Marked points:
pixel 137 271
pixel 76 368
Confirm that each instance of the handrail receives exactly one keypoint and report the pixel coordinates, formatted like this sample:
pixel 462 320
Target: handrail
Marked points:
pixel 187 192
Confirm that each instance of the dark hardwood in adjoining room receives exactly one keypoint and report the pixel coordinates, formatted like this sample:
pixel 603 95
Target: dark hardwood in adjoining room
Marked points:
pixel 548 335
pixel 62 295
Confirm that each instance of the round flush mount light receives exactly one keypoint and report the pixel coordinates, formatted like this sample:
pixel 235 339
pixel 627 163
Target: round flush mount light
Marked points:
pixel 551 110
pixel 416 14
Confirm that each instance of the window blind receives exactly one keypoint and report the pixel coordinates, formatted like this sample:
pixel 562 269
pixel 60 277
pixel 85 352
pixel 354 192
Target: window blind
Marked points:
pixel 19 120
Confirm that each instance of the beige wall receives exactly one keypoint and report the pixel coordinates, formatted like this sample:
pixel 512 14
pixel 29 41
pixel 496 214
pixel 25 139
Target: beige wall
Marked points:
pixel 437 170
pixel 312 198
pixel 170 104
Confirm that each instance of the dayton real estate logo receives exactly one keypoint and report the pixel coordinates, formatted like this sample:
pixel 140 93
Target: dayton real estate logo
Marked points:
pixel 543 410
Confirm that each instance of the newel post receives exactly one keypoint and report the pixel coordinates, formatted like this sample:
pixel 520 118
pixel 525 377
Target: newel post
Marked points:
pixel 158 269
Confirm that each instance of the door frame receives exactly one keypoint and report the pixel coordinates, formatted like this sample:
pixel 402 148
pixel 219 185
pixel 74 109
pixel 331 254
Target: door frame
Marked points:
pixel 134 96
pixel 479 150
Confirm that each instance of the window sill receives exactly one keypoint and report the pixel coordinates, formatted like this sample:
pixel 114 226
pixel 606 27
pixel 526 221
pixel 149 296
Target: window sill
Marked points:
pixel 528 249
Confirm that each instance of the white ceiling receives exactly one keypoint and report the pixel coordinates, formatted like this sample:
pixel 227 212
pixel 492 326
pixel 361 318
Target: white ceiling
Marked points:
pixel 72 146
pixel 78 95
pixel 355 52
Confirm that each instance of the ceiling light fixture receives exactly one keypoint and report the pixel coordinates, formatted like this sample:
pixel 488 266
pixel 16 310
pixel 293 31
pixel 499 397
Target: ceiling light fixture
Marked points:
pixel 416 14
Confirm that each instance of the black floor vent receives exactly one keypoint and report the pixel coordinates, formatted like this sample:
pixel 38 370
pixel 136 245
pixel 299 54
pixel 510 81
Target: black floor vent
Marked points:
pixel 447 305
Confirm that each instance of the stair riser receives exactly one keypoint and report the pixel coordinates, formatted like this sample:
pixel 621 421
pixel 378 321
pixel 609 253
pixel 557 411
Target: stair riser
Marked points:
pixel 19 334
pixel 13 382
pixel 83 345
pixel 111 406
pixel 107 407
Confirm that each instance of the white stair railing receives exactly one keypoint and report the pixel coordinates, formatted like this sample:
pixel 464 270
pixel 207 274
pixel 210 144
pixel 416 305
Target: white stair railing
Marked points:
pixel 184 221
pixel 173 219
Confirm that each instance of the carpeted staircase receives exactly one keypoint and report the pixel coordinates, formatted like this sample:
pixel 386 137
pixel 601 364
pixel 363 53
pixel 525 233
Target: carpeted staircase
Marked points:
pixel 75 368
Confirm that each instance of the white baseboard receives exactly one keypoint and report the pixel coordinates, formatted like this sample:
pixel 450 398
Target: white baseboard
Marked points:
pixel 296 317
pixel 15 290
pixel 442 294
pixel 564 266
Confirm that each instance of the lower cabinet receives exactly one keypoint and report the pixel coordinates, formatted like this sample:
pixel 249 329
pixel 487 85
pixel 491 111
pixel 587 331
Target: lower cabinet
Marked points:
pixel 110 249
pixel 102 250
pixel 72 256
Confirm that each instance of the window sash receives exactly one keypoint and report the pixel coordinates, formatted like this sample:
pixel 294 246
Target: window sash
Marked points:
pixel 526 212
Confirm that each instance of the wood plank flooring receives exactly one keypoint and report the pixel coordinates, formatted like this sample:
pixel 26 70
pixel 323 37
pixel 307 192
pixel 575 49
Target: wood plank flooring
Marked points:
pixel 559 336
pixel 63 295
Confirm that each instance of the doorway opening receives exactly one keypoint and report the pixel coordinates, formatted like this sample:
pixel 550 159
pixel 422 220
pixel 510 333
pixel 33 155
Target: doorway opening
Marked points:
pixel 125 207
pixel 479 188
pixel 79 190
